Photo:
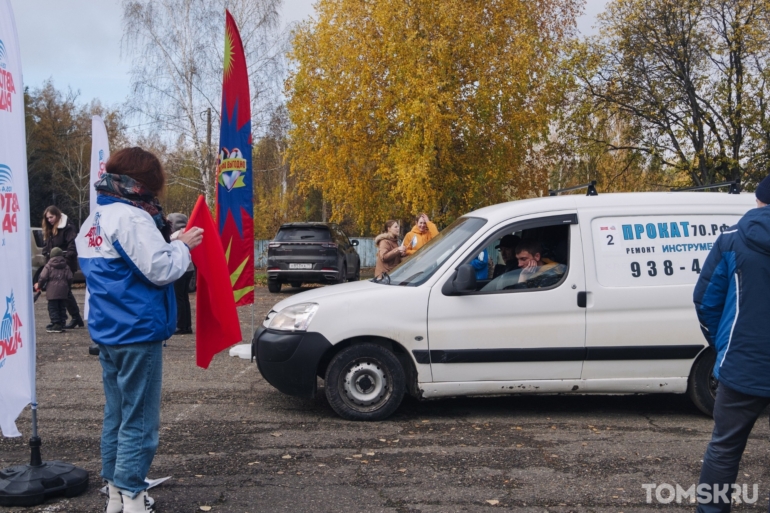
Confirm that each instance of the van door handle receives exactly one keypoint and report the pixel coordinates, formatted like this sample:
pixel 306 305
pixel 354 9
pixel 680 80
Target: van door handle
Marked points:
pixel 582 299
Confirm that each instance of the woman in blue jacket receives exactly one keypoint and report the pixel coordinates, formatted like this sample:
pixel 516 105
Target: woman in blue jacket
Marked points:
pixel 130 267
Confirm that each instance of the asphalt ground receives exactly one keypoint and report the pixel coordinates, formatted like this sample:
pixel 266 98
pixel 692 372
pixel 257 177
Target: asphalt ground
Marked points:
pixel 232 443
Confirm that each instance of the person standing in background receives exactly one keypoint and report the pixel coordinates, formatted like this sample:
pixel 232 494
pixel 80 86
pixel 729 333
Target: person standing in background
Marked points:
pixel 423 231
pixel 59 232
pixel 389 253
pixel 56 279
pixel 182 285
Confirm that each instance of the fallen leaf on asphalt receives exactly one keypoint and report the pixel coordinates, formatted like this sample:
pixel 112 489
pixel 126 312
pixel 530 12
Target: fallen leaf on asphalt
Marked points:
pixel 426 421
pixel 584 443
pixel 198 475
pixel 395 441
pixel 518 428
pixel 286 457
pixel 519 445
pixel 553 427
pixel 253 463
pixel 358 455
pixel 276 434
pixel 370 454
pixel 402 470
pixel 383 440
pixel 279 472
pixel 493 502
pixel 205 508
pixel 321 465
pixel 212 453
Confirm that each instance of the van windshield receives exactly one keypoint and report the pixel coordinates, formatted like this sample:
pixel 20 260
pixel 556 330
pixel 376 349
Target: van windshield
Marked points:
pixel 421 266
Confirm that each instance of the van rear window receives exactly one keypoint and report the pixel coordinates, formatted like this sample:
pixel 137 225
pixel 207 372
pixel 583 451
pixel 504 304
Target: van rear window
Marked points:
pixel 654 250
pixel 304 234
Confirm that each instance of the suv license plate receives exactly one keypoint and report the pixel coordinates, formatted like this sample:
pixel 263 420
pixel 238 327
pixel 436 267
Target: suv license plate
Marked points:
pixel 300 266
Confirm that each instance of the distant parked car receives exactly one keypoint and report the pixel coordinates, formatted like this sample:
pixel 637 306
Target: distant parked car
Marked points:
pixel 38 259
pixel 311 253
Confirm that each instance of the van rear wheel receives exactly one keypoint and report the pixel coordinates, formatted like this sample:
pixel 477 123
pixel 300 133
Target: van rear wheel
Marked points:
pixel 702 385
pixel 365 382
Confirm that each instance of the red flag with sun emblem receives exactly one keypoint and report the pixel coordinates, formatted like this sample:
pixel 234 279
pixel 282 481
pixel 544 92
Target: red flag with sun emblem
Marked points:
pixel 235 197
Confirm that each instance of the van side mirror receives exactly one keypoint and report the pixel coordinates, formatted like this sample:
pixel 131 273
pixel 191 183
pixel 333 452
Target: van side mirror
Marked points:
pixel 354 242
pixel 463 280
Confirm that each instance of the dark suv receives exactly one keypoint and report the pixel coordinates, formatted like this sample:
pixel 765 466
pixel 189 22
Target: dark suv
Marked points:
pixel 311 253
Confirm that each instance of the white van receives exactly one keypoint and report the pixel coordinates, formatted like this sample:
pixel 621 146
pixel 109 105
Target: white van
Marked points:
pixel 605 309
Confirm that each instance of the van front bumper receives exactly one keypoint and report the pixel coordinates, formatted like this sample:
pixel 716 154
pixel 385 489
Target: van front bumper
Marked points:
pixel 289 360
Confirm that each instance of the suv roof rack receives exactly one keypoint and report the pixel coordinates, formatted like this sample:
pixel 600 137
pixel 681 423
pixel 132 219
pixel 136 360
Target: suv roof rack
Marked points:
pixel 591 186
pixel 735 187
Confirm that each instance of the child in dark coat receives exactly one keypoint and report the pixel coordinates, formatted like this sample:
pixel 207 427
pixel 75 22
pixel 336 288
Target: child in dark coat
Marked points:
pixel 56 278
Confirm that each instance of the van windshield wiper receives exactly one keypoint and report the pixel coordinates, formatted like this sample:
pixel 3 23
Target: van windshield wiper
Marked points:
pixel 409 280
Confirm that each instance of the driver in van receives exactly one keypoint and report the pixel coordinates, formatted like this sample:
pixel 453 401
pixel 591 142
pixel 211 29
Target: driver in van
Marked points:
pixel 537 271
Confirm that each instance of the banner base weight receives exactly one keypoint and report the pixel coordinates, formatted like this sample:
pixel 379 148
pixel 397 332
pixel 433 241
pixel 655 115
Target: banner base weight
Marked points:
pixel 28 485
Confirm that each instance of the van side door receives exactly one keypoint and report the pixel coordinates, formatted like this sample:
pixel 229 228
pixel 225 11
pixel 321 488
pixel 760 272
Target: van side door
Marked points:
pixel 515 327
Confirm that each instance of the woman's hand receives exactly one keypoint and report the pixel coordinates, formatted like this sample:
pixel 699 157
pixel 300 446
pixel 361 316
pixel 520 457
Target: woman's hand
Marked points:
pixel 402 250
pixel 192 237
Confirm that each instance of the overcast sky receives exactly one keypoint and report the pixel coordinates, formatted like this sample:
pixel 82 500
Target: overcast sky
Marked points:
pixel 77 43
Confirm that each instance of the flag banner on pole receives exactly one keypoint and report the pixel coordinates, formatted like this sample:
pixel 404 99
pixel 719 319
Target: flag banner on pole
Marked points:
pixel 100 153
pixel 216 319
pixel 235 197
pixel 17 327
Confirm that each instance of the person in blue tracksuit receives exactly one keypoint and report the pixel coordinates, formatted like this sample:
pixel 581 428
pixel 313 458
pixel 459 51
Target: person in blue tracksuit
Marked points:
pixel 732 303
pixel 481 264
pixel 130 267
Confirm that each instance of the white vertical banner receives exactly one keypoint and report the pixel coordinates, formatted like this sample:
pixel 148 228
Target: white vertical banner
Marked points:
pixel 17 327
pixel 100 153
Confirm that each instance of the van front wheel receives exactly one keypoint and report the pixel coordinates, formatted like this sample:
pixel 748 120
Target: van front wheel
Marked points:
pixel 365 382
pixel 702 385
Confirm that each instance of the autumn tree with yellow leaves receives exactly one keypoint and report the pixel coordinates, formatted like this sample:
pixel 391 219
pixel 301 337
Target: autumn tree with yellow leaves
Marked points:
pixel 399 107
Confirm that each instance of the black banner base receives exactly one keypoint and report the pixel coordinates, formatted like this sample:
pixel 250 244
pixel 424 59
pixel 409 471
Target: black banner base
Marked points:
pixel 30 485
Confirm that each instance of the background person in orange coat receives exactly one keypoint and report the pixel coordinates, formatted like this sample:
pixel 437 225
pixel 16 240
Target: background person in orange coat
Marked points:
pixel 423 231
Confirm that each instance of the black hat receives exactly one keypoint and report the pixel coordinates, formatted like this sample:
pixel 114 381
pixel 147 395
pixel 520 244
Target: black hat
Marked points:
pixel 508 241
pixel 56 252
pixel 763 191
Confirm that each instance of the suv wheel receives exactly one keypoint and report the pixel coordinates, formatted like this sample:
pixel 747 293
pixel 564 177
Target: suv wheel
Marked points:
pixel 343 276
pixel 273 286
pixel 357 276
pixel 702 385
pixel 365 382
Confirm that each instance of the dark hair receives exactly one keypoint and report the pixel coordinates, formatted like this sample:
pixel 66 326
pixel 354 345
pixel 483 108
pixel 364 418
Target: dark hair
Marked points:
pixel 141 165
pixel 531 246
pixel 49 230
pixel 388 224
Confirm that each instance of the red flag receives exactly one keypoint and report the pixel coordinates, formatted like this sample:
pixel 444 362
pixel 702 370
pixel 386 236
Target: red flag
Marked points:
pixel 216 320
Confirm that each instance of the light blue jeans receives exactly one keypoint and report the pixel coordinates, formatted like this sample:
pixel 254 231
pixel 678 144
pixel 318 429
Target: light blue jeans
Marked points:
pixel 132 378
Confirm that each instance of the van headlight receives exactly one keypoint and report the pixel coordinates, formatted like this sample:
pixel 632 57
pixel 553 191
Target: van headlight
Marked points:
pixel 294 318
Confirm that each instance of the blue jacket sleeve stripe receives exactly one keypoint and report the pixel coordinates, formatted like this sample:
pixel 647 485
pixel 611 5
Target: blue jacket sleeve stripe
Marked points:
pixel 711 292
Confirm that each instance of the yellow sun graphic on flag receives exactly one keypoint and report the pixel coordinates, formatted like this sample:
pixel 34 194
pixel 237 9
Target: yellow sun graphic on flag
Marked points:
pixel 229 52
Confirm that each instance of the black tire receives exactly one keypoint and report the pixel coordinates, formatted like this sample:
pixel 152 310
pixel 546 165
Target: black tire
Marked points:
pixel 701 385
pixel 357 276
pixel 274 286
pixel 295 284
pixel 343 277
pixel 365 382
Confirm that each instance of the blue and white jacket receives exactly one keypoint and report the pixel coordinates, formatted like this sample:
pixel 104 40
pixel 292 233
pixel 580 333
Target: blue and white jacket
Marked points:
pixel 732 299
pixel 481 265
pixel 129 270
